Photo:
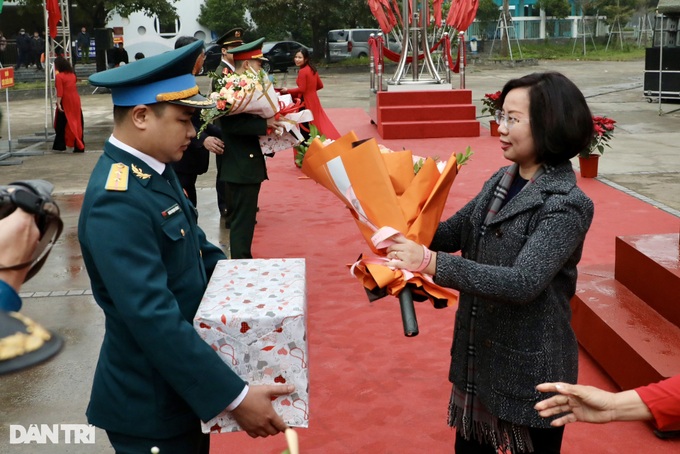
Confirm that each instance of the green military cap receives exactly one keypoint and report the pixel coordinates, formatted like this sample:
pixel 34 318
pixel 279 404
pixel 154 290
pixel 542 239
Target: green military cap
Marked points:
pixel 249 51
pixel 162 78
pixel 232 37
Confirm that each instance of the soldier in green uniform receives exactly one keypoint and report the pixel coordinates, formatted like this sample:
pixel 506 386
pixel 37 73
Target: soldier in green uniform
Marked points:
pixel 230 40
pixel 149 264
pixel 243 166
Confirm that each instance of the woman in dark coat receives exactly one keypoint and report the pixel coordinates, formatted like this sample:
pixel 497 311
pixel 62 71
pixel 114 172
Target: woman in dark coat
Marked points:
pixel 521 238
pixel 68 120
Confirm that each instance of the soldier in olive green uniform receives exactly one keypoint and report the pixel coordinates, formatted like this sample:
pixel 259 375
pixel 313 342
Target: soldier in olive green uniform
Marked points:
pixel 230 40
pixel 149 264
pixel 243 166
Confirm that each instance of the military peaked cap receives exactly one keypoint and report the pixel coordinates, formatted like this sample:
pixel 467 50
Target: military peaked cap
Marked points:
pixel 162 78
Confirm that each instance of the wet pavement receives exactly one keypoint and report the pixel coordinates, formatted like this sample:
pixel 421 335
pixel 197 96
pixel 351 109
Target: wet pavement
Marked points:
pixel 644 160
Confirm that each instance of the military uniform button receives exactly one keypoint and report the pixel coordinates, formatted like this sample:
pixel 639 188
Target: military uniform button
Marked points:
pixel 251 155
pixel 181 231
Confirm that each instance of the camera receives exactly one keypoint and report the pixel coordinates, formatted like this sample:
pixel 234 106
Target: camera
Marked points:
pixel 34 197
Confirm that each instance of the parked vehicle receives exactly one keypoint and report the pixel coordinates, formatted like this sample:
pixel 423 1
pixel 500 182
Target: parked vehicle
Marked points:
pixel 353 42
pixel 281 55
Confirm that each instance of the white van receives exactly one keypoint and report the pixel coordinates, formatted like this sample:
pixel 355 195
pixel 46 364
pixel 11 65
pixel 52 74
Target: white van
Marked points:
pixel 353 42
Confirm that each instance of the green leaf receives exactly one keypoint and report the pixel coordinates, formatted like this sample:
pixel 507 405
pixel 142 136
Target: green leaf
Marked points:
pixel 463 158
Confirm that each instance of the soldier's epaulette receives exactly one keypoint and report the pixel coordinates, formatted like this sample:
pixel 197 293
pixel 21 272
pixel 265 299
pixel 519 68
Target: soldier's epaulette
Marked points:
pixel 118 177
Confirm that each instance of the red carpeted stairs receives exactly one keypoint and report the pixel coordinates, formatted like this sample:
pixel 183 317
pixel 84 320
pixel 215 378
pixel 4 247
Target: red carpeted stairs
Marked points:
pixel 373 390
pixel 403 114
pixel 627 315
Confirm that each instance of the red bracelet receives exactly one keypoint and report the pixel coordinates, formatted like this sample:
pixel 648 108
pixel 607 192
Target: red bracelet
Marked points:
pixel 427 257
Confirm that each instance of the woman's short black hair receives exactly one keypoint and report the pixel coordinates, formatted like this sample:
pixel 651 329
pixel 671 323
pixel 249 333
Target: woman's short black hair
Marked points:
pixel 561 121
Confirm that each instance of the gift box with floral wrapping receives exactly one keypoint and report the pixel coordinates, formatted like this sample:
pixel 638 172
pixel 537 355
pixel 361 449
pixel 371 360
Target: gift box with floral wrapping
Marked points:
pixel 253 314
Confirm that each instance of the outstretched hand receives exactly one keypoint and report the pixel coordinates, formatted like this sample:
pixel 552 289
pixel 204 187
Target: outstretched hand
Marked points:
pixel 579 402
pixel 256 415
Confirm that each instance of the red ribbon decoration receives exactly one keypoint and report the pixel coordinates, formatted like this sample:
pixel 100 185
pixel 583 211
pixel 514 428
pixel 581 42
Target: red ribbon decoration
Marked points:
pixel 393 56
pixel 284 110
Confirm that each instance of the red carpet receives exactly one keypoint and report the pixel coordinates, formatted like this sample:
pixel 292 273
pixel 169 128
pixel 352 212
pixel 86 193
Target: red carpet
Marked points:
pixel 372 389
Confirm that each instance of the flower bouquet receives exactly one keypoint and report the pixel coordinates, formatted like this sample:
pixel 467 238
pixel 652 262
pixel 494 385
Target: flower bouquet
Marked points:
pixel 250 92
pixel 603 131
pixel 253 93
pixel 301 149
pixel 384 188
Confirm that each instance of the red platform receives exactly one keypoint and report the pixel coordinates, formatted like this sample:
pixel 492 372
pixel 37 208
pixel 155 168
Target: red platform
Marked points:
pixel 402 114
pixel 627 316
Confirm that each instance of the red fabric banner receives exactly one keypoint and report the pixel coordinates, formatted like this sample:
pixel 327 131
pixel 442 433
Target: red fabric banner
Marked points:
pixel 54 16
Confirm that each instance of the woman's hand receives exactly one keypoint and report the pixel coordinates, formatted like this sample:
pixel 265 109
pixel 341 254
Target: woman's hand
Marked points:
pixel 59 106
pixel 410 255
pixel 284 90
pixel 590 404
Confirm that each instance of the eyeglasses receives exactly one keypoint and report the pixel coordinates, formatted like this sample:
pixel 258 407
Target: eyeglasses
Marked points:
pixel 504 120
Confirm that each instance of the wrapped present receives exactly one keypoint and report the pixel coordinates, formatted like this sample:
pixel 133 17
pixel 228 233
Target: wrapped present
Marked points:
pixel 271 143
pixel 293 115
pixel 253 314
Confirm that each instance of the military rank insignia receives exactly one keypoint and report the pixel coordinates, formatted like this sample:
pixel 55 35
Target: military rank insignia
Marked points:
pixel 118 177
pixel 139 174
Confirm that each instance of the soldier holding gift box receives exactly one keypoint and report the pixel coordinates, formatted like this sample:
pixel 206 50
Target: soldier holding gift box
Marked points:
pixel 149 264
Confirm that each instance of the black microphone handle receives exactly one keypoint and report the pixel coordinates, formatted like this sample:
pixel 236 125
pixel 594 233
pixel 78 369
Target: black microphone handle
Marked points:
pixel 408 312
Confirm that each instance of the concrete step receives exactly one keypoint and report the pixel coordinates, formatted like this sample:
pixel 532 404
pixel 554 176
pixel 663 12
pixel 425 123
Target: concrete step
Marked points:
pixel 649 265
pixel 632 342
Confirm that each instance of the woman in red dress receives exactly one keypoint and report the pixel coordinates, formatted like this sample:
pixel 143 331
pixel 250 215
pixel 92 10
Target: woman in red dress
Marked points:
pixel 68 121
pixel 308 83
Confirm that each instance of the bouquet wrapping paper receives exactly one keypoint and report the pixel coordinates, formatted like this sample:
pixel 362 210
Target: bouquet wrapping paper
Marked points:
pixel 253 314
pixel 382 189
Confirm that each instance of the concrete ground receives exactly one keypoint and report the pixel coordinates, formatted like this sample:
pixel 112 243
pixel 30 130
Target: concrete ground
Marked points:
pixel 644 160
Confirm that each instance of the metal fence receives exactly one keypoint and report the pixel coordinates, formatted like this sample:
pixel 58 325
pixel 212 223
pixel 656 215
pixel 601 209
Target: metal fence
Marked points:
pixel 531 28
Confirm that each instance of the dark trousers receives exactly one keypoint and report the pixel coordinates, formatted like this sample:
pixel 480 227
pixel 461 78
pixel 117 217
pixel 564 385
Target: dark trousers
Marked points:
pixel 85 54
pixel 192 442
pixel 545 441
pixel 244 198
pixel 224 202
pixel 188 183
pixel 23 58
pixel 60 124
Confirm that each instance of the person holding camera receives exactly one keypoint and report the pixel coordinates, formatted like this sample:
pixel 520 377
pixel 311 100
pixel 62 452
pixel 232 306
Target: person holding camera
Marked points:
pixel 19 237
pixel 149 264
pixel 29 227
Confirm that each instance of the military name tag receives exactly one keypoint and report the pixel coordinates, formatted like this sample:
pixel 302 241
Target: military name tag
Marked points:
pixel 118 177
pixel 170 211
